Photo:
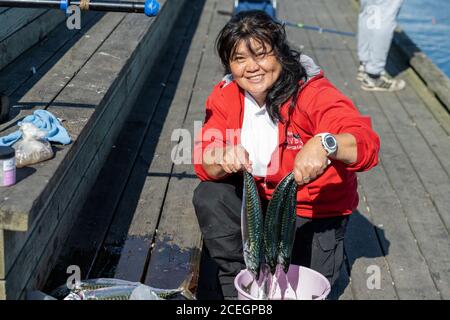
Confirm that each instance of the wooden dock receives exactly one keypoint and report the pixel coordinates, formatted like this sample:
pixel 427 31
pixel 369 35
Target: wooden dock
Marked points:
pixel 138 221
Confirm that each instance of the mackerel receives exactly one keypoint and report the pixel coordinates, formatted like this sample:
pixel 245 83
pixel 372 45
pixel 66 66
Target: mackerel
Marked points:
pixel 252 225
pixel 272 222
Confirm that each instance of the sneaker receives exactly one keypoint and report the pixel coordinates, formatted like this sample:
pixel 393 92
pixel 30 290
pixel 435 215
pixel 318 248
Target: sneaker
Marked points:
pixel 361 73
pixel 383 83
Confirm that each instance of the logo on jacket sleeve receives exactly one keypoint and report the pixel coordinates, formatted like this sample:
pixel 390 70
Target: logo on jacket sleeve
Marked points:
pixel 294 142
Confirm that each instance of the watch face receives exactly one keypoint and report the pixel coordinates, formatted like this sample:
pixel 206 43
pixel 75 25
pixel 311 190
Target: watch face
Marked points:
pixel 330 142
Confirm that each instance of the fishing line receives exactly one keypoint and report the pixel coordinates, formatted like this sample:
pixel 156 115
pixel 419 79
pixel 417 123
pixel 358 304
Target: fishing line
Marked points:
pixel 302 26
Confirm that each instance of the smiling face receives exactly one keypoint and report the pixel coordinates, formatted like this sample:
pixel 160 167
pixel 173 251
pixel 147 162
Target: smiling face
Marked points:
pixel 255 70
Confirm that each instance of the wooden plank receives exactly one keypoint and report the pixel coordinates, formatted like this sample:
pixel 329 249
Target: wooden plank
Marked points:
pixel 28 36
pixel 400 235
pixel 69 214
pixel 433 122
pixel 125 27
pixel 396 257
pixel 146 110
pixel 87 236
pixel 19 74
pixel 431 175
pixel 405 168
pixel 58 219
pixel 320 51
pixel 53 169
pixel 50 48
pixel 439 113
pixel 16 18
pixel 178 245
pixel 155 156
pixel 2 290
pixel 343 288
pixel 360 229
pixel 117 101
pixel 62 71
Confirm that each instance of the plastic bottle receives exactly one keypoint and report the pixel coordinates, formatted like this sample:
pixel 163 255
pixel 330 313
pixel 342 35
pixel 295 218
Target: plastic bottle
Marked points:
pixel 7 166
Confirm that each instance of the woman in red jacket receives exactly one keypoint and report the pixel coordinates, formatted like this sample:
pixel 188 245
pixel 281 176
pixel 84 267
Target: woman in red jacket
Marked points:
pixel 274 113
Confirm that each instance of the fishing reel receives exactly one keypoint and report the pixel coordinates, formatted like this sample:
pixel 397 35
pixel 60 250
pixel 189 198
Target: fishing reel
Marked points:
pixel 150 7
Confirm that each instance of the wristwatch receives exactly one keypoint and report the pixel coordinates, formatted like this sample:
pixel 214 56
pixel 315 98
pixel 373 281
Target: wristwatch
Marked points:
pixel 329 142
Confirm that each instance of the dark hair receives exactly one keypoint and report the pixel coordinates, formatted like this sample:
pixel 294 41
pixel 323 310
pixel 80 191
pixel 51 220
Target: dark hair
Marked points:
pixel 259 26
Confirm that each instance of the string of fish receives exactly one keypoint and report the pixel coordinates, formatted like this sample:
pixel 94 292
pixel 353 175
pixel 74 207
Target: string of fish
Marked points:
pixel 268 241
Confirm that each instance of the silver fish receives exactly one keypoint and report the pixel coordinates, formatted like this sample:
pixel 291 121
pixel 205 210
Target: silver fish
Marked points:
pixel 273 221
pixel 287 226
pixel 252 226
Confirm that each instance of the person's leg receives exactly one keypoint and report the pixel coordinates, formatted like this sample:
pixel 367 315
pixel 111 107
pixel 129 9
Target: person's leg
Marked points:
pixel 319 245
pixel 364 33
pixel 382 23
pixel 218 209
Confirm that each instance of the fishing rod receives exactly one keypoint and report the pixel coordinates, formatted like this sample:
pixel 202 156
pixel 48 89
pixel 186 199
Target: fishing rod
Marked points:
pixel 302 26
pixel 317 28
pixel 150 7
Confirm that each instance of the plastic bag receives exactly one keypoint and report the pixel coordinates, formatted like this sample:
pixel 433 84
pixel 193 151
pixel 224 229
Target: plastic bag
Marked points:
pixel 117 289
pixel 32 147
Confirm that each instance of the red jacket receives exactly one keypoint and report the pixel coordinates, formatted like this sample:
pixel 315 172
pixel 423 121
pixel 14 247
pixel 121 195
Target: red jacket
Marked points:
pixel 320 108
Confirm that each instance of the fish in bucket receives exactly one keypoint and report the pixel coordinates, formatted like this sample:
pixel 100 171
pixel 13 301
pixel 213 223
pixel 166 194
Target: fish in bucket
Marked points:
pixel 267 247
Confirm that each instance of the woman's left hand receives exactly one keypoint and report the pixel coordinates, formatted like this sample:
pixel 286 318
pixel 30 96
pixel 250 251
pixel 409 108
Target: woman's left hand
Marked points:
pixel 310 162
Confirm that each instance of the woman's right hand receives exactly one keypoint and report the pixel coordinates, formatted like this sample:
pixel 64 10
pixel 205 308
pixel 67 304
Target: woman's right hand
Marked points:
pixel 235 158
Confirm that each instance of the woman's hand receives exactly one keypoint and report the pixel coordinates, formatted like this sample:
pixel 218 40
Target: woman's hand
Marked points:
pixel 218 162
pixel 235 158
pixel 310 162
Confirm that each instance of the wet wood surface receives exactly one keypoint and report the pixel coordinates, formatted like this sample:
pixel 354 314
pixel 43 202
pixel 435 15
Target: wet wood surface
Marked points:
pixel 400 229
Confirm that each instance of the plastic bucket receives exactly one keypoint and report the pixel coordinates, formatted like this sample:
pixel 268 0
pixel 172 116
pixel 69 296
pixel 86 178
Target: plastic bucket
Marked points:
pixel 301 283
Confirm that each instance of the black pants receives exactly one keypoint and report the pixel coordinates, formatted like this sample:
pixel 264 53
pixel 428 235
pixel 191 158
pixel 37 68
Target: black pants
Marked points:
pixel 319 243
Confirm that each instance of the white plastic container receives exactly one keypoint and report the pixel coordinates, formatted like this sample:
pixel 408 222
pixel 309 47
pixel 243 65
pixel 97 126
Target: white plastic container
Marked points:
pixel 7 166
pixel 300 284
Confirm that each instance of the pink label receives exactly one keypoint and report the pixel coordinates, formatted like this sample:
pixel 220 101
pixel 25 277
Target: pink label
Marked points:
pixel 9 178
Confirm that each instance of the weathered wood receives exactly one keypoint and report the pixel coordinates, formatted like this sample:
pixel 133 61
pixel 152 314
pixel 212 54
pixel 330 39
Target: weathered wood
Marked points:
pixel 404 169
pixel 86 239
pixel 118 102
pixel 403 286
pixel 434 78
pixel 2 290
pixel 150 107
pixel 28 36
pixel 52 170
pixel 16 18
pixel 178 241
pixel 384 204
pixel 321 51
pixel 440 114
pixel 124 28
pixel 50 49
pixel 41 93
pixel 155 156
pixel 361 230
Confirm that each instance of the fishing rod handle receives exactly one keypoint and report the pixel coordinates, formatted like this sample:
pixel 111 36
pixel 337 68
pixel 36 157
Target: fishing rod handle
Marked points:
pixel 150 7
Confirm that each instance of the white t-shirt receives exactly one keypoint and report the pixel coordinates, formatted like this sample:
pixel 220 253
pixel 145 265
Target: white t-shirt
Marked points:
pixel 259 135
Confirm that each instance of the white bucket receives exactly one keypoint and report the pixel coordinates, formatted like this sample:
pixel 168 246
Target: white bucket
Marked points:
pixel 301 283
